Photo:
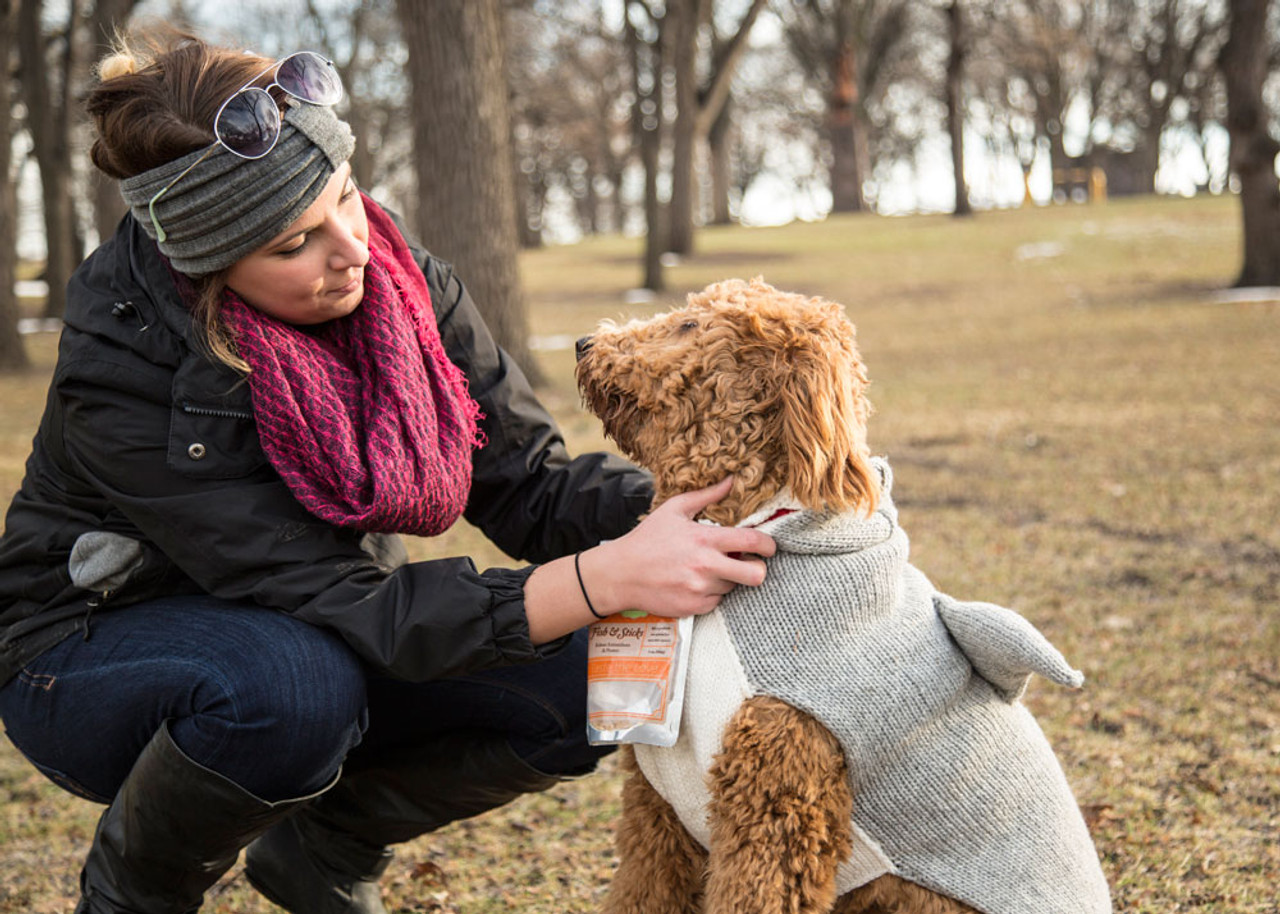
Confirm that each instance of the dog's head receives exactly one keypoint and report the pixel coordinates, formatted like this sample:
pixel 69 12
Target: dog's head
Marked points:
pixel 745 380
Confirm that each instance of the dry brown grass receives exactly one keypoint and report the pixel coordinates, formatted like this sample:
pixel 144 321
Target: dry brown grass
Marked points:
pixel 1085 437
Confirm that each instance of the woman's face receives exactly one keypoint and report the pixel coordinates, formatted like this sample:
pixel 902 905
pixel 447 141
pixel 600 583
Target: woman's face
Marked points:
pixel 313 271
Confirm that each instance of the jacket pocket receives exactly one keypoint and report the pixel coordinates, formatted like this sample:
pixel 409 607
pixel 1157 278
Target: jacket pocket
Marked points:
pixel 207 442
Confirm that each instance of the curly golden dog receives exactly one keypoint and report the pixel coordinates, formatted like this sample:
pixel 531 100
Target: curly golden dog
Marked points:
pixel 789 809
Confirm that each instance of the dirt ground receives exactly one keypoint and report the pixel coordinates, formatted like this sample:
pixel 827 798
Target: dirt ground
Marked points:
pixel 1080 428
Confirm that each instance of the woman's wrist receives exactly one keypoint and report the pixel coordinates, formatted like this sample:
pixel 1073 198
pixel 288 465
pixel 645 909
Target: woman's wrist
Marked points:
pixel 577 567
pixel 556 594
pixel 604 568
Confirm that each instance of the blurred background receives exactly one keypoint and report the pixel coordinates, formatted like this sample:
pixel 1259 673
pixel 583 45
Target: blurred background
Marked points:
pixel 534 122
pixel 1056 224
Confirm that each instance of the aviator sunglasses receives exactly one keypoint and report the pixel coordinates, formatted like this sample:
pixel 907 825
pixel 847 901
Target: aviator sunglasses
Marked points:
pixel 248 123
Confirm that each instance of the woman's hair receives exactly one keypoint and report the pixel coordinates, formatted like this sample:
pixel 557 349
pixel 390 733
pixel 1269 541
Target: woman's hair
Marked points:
pixel 155 101
pixel 157 97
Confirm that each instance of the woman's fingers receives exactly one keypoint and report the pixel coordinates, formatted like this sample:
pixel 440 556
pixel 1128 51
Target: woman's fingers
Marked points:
pixel 746 571
pixel 743 540
pixel 691 504
pixel 677 566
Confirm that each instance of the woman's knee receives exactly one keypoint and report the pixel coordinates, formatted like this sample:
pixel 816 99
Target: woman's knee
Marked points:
pixel 313 680
pixel 280 719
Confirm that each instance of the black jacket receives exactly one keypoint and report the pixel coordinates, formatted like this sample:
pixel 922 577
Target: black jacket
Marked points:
pixel 144 436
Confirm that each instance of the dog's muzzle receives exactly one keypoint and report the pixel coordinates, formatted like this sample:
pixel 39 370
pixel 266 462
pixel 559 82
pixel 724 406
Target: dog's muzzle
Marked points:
pixel 581 347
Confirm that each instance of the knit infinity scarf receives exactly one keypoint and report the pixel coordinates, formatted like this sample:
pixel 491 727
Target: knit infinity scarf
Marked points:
pixel 364 417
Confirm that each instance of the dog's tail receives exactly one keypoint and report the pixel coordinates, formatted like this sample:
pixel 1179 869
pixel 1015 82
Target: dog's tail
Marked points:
pixel 1004 648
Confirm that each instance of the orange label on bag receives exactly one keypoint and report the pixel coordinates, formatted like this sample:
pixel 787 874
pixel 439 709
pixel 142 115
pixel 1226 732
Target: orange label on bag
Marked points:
pixel 639 651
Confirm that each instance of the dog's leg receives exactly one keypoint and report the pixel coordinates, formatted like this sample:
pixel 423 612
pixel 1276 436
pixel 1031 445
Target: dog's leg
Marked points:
pixel 893 895
pixel 780 813
pixel 662 866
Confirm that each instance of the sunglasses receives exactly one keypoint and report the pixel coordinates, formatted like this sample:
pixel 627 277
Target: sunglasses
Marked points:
pixel 248 123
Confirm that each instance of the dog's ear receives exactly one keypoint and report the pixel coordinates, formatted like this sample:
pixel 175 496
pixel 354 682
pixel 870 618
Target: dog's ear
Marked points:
pixel 824 410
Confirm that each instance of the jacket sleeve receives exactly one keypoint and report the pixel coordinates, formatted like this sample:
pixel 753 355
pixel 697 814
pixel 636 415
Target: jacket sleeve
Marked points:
pixel 527 495
pixel 230 525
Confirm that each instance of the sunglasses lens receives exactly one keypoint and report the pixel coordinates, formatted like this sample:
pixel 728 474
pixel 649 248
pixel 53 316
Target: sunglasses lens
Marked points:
pixel 310 77
pixel 249 123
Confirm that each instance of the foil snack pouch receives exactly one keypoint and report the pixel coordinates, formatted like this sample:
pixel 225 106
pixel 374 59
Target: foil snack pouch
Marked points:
pixel 636 664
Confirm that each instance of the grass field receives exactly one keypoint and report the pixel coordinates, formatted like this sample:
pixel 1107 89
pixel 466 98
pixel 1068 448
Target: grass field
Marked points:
pixel 1079 430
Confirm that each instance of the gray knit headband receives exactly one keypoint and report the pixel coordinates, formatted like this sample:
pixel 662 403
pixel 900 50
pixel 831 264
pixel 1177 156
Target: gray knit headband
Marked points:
pixel 226 206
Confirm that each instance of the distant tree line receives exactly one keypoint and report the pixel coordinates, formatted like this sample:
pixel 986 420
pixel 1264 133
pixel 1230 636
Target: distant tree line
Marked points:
pixel 644 115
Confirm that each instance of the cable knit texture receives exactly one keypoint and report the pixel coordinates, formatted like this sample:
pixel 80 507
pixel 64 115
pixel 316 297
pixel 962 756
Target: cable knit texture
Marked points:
pixel 364 417
pixel 955 786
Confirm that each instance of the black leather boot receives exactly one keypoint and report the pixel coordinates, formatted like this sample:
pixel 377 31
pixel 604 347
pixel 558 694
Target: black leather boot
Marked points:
pixel 302 864
pixel 172 830
pixel 328 857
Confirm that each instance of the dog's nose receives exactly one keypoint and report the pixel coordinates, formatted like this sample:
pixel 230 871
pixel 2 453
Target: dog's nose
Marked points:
pixel 582 346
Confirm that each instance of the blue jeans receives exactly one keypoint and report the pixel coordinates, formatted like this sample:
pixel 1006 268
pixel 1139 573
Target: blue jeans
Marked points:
pixel 270 702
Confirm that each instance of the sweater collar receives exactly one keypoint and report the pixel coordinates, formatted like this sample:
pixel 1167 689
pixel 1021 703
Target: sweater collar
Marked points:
pixel 776 508
pixel 798 529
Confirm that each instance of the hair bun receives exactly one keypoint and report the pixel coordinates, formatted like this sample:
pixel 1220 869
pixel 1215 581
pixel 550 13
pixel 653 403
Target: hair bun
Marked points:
pixel 121 63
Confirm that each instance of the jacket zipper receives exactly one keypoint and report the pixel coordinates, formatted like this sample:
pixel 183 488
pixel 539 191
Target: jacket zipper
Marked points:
pixel 93 603
pixel 220 413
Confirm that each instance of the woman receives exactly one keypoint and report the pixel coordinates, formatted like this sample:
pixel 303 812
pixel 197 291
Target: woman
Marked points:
pixel 206 621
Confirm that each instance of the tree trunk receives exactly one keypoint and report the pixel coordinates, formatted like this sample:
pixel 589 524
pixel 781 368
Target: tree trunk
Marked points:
pixel 612 214
pixel 707 102
pixel 589 205
pixel 656 233
pixel 360 113
pixel 1146 152
pixel 13 354
pixel 1147 155
pixel 462 145
pixel 843 128
pixel 955 106
pixel 683 17
pixel 1253 150
pixel 362 159
pixel 719 139
pixel 108 206
pixel 530 192
pixel 615 208
pixel 531 197
pixel 49 122
pixel 108 17
pixel 647 116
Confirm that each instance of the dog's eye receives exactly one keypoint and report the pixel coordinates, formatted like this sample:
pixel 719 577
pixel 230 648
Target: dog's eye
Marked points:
pixel 688 326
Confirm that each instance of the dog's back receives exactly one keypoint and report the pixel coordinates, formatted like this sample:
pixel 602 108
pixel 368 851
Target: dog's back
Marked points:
pixel 954 785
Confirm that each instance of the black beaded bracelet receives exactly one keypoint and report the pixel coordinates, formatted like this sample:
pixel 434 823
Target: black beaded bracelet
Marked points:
pixel 583 587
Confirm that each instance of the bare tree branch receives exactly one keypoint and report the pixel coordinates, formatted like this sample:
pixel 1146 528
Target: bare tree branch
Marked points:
pixel 714 95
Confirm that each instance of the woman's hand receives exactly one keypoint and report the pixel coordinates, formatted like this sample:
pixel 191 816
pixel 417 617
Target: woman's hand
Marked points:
pixel 669 565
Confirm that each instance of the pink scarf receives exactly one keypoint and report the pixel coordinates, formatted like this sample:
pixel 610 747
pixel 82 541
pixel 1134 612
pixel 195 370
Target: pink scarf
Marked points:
pixel 365 418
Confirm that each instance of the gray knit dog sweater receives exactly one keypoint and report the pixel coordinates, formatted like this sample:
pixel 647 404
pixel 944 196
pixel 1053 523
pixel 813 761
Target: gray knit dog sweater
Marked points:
pixel 955 787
